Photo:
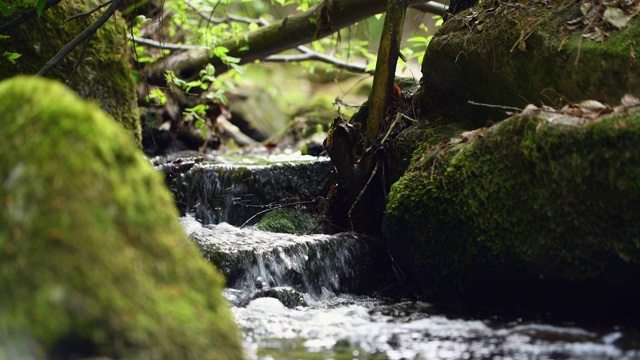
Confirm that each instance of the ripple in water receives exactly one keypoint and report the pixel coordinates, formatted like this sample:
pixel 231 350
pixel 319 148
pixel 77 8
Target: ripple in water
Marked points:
pixel 345 326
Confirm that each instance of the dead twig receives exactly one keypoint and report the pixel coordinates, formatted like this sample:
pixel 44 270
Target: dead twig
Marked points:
pixel 90 11
pixel 86 34
pixel 495 106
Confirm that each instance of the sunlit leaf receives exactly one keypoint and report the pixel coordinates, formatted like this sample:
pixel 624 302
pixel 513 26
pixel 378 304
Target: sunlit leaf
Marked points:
pixel 11 56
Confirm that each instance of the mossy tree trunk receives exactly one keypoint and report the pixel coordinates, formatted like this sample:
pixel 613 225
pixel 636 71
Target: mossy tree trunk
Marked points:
pixel 319 21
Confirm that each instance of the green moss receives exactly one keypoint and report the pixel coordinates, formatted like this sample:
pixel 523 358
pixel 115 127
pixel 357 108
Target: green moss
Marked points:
pixel 289 221
pixel 103 73
pixel 561 201
pixel 416 140
pixel 92 253
pixel 523 55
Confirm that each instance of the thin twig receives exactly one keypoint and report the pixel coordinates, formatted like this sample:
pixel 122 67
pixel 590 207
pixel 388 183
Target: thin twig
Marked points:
pixel 162 45
pixel 364 189
pixel 13 24
pixel 79 61
pixel 393 124
pixel 308 54
pixel 495 106
pixel 90 11
pixel 87 33
pixel 229 17
pixel 274 208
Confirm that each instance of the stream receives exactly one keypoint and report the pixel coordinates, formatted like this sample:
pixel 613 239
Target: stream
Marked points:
pixel 329 322
pixel 314 296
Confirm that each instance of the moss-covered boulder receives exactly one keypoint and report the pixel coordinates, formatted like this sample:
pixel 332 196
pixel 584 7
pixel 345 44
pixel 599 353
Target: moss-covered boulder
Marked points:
pixel 504 54
pixel 533 212
pixel 93 260
pixel 103 73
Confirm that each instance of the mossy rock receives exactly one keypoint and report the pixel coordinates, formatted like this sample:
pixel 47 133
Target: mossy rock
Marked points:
pixel 423 135
pixel 103 73
pixel 528 212
pixel 499 55
pixel 289 221
pixel 93 260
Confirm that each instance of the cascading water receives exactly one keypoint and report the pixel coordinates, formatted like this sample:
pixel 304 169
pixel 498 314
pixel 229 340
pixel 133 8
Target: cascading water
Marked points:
pixel 294 296
pixel 329 322
pixel 233 192
pixel 309 263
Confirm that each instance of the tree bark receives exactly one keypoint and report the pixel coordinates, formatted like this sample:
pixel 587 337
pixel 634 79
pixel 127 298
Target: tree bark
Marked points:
pixel 362 184
pixel 315 23
pixel 384 77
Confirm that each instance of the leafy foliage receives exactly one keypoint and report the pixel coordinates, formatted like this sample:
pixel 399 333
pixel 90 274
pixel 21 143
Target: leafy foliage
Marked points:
pixel 7 8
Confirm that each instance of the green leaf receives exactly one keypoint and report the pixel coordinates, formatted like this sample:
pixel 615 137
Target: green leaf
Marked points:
pixel 11 56
pixel 158 95
pixel 253 26
pixel 237 68
pixel 220 51
pixel 230 60
pixel 5 9
pixel 40 7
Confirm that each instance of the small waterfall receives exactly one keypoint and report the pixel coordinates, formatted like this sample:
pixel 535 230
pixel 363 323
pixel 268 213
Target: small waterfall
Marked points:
pixel 219 192
pixel 310 264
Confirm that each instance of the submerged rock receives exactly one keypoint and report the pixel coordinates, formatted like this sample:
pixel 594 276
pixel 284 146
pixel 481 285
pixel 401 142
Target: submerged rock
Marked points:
pixel 539 211
pixel 287 296
pixel 506 55
pixel 93 261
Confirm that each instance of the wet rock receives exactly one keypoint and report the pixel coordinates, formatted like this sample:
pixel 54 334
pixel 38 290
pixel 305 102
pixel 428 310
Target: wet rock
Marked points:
pixel 235 192
pixel 540 210
pixel 93 261
pixel 345 262
pixel 287 296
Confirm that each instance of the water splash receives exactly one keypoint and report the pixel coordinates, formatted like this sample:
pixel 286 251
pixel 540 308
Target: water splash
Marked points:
pixel 309 263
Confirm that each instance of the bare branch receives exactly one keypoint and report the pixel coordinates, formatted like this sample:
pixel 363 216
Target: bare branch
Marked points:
pixel 308 54
pixel 295 30
pixel 86 34
pixel 90 11
pixel 228 18
pixel 80 58
pixel 432 7
pixel 162 45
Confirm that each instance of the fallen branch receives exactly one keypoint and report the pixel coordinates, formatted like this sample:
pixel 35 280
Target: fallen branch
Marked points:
pixel 295 30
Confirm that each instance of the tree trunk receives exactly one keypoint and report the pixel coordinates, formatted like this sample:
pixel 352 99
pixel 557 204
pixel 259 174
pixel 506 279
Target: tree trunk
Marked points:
pixel 363 185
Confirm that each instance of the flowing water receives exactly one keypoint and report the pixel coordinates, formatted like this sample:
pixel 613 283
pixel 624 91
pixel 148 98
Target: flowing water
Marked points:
pixel 330 322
